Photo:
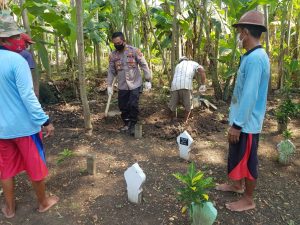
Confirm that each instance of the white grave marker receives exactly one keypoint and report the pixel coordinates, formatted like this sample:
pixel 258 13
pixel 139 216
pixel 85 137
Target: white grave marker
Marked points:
pixel 185 141
pixel 135 178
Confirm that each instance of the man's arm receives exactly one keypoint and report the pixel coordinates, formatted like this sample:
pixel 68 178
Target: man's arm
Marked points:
pixel 202 76
pixel 143 65
pixel 111 71
pixel 25 88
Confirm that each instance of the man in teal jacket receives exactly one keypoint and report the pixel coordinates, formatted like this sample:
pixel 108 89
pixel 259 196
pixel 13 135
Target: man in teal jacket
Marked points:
pixel 247 111
pixel 21 120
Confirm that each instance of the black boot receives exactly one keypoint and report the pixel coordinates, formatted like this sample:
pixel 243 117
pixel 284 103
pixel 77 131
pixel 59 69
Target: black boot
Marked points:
pixel 126 126
pixel 131 128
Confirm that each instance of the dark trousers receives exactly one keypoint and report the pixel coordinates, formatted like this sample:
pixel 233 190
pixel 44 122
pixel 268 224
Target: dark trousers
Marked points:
pixel 128 101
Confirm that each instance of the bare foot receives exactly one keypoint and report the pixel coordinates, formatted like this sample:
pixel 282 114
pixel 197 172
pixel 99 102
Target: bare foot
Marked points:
pixel 245 203
pixel 229 187
pixel 49 202
pixel 8 213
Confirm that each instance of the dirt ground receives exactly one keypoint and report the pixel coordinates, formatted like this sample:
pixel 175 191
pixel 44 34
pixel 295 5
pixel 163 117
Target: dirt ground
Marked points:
pixel 102 198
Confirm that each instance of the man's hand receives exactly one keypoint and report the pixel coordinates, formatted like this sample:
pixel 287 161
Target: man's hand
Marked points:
pixel 49 130
pixel 233 135
pixel 110 90
pixel 147 86
pixel 202 88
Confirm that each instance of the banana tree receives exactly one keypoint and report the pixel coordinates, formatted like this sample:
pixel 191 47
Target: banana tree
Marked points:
pixel 81 69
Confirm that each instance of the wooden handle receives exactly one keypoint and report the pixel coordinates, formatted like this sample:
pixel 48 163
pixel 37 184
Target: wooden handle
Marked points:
pixel 107 105
pixel 109 99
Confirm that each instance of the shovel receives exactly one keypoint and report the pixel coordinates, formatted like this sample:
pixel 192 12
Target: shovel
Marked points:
pixel 109 100
pixel 199 99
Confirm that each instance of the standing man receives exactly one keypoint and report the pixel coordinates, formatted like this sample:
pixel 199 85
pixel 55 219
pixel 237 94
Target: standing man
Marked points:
pixel 247 111
pixel 182 85
pixel 123 63
pixel 21 119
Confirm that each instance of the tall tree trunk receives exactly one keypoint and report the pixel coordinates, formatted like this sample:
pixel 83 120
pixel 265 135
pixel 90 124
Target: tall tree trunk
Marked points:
pixel 267 39
pixel 98 50
pixel 289 19
pixel 295 51
pixel 35 72
pixel 174 37
pixel 214 75
pixel 47 67
pixel 125 22
pixel 81 70
pixel 280 80
pixel 130 34
pixel 147 37
pixel 212 56
pixel 98 56
pixel 157 41
pixel 195 38
pixel 57 55
pixel 198 46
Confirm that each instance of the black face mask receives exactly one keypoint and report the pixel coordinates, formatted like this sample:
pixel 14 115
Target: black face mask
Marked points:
pixel 120 47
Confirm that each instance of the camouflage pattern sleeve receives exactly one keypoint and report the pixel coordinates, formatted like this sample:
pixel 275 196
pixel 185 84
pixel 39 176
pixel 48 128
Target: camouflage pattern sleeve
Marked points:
pixel 111 70
pixel 143 64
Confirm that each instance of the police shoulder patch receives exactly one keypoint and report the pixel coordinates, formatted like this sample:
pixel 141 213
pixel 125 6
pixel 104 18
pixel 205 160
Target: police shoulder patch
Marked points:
pixel 139 52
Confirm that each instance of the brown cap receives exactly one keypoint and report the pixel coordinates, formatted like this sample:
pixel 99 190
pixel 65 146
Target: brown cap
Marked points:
pixel 252 18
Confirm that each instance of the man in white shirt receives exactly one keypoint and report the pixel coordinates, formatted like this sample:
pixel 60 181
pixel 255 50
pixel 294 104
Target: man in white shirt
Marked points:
pixel 182 85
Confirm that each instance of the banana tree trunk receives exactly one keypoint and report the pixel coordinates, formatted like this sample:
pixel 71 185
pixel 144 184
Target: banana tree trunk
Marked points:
pixel 57 55
pixel 157 41
pixel 215 78
pixel 213 57
pixel 125 22
pixel 290 15
pixel 267 39
pixel 147 37
pixel 295 53
pixel 280 80
pixel 98 50
pixel 174 38
pixel 98 56
pixel 81 70
pixel 198 56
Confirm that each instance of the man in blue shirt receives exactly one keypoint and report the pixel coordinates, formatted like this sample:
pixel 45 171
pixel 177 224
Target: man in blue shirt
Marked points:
pixel 21 119
pixel 247 111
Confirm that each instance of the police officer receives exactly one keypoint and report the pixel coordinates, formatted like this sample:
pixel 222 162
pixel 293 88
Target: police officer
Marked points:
pixel 124 63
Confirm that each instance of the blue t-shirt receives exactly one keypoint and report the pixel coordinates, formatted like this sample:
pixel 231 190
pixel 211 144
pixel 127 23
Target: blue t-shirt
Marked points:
pixel 28 56
pixel 20 111
pixel 249 100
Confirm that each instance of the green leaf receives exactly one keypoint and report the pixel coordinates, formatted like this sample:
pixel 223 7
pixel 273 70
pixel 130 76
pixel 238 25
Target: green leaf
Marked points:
pixel 192 170
pixel 43 54
pixel 197 177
